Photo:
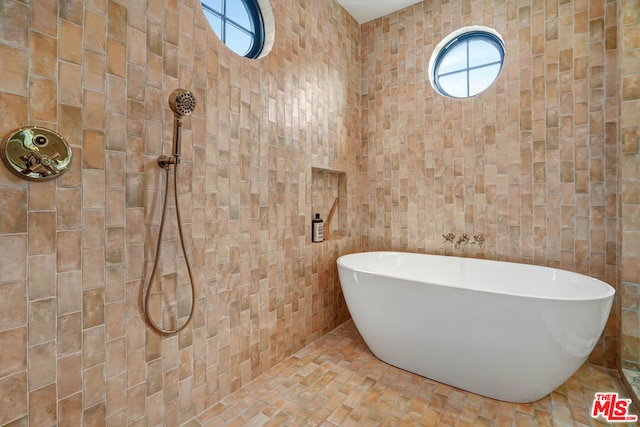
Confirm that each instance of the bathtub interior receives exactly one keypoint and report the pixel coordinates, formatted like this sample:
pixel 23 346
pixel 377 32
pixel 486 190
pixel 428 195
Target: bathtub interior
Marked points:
pixel 480 275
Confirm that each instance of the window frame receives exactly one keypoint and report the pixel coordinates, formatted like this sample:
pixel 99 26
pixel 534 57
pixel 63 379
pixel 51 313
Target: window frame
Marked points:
pixel 257 32
pixel 455 39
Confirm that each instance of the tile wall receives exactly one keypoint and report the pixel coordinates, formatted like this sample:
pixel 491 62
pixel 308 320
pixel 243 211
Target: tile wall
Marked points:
pixel 629 99
pixel 532 163
pixel 74 251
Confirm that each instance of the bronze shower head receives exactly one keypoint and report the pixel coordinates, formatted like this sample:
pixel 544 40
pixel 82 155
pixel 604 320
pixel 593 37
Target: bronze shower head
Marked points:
pixel 182 102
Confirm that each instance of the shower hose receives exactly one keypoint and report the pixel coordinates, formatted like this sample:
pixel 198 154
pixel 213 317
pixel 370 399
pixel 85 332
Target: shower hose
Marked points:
pixel 147 291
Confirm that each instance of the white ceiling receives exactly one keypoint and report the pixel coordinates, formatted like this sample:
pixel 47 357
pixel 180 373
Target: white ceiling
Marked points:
pixel 368 10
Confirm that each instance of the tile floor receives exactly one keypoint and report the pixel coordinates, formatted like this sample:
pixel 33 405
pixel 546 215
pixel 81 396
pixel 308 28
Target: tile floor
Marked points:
pixel 633 378
pixel 336 381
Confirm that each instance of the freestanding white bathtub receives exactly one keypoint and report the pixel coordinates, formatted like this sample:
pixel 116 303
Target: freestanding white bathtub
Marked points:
pixel 512 332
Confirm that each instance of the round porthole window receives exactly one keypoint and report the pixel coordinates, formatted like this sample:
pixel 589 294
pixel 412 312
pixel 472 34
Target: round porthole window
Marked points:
pixel 466 62
pixel 238 24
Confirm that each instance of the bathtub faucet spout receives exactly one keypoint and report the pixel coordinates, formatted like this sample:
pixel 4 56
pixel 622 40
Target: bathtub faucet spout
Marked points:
pixel 463 240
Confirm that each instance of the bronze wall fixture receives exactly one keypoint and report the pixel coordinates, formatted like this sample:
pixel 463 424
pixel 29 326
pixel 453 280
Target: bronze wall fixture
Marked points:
pixel 463 240
pixel 182 103
pixel 36 153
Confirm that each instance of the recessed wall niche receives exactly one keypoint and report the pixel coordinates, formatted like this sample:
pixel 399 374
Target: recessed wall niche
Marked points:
pixel 329 187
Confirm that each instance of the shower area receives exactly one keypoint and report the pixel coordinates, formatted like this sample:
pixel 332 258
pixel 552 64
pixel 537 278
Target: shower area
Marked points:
pixel 545 164
pixel 334 117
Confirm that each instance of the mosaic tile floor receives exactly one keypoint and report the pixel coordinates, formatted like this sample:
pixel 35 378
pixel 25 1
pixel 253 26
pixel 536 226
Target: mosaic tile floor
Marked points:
pixel 336 381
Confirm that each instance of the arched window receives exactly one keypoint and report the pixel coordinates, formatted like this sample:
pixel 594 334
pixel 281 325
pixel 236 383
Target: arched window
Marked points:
pixel 466 62
pixel 238 24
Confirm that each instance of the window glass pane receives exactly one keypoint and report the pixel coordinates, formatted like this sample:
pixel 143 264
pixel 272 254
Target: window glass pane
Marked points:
pixel 213 4
pixel 237 12
pixel 454 84
pixel 481 78
pixel 238 24
pixel 237 40
pixel 482 52
pixel 215 22
pixel 466 62
pixel 455 59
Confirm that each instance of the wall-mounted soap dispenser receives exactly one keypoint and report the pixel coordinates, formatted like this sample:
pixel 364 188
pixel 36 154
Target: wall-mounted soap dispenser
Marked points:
pixel 317 229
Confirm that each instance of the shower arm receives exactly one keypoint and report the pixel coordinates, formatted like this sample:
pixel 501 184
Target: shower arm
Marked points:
pixel 174 159
pixel 177 137
pixel 182 103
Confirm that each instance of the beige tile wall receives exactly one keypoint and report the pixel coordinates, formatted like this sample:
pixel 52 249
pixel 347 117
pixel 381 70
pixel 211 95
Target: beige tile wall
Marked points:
pixel 74 251
pixel 629 175
pixel 531 163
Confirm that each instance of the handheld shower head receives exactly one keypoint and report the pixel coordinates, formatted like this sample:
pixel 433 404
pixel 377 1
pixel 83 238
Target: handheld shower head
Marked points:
pixel 182 102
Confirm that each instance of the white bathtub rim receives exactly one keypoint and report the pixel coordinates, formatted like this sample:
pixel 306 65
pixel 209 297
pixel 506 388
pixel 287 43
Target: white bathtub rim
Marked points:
pixel 609 290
